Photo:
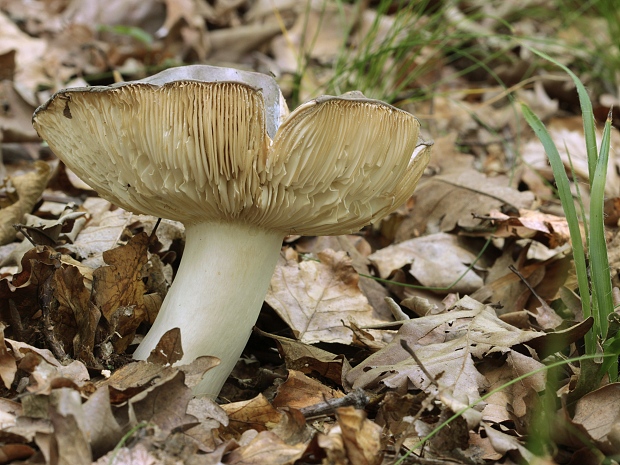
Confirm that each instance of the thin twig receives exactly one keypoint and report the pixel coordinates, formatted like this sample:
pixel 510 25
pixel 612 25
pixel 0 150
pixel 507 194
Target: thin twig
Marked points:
pixel 358 399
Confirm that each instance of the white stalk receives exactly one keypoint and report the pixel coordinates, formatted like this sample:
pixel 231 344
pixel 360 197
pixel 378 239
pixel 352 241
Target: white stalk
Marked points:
pixel 216 295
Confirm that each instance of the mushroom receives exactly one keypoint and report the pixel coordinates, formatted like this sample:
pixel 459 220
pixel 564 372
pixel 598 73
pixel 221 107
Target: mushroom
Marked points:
pixel 216 149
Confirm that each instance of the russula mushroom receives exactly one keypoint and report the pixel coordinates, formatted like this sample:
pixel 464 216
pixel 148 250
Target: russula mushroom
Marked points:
pixel 216 149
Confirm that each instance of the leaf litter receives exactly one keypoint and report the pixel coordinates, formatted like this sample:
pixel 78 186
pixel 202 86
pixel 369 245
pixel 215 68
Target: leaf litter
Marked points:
pixel 477 265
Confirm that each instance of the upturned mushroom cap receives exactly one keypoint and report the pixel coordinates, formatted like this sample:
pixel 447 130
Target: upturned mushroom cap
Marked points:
pixel 201 143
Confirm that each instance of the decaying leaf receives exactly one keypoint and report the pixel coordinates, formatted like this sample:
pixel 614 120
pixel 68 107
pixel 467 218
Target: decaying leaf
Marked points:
pixel 299 391
pixel 254 414
pixel 454 199
pixel 549 229
pixel 354 440
pixel 447 345
pixel 266 447
pixel 118 289
pixel 436 260
pixel 311 360
pixel 27 190
pixel 317 299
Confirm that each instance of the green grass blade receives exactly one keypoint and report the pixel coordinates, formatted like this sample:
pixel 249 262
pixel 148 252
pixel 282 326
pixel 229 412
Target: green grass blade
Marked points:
pixel 587 113
pixel 599 263
pixel 568 205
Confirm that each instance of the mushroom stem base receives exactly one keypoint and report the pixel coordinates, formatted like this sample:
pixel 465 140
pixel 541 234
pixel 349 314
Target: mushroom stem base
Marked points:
pixel 216 295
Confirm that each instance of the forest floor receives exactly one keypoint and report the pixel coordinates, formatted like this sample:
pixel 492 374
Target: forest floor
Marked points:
pixel 449 332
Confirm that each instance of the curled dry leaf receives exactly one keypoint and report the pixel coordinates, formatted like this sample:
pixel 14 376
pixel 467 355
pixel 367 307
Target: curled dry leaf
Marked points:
pixel 515 399
pixel 118 288
pixel 311 360
pixel 317 299
pixel 255 414
pixel 266 447
pixel 354 440
pixel 299 391
pixel 8 367
pixel 549 229
pixel 28 188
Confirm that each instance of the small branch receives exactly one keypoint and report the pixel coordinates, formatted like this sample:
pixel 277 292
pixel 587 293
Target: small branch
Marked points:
pixel 411 352
pixel 358 399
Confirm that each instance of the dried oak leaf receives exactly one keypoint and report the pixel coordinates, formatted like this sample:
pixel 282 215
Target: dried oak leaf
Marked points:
pixel 19 297
pixel 515 399
pixel 598 415
pixel 447 345
pixel 45 371
pixel 355 438
pixel 436 260
pixel 266 447
pixel 548 229
pixel 255 414
pixel 309 359
pixel 28 188
pixel 299 391
pixel 317 299
pixel 76 317
pixel 101 426
pixel 447 201
pixel 8 366
pixel 164 404
pixel 118 290
pixel 168 350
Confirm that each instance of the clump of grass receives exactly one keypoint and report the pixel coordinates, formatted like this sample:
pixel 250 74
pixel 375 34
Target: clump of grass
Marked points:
pixel 591 261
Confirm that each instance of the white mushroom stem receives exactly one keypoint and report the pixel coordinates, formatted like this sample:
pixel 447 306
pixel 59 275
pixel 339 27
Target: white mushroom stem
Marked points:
pixel 216 295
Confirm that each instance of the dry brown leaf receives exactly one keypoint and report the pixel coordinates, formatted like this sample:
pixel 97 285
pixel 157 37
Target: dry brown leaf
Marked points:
pixel 254 414
pixel 9 453
pixel 266 447
pixel 44 369
pixel 28 188
pixel 447 345
pixel 8 366
pixel 100 425
pixel 299 391
pixel 309 359
pixel 447 201
pixel 358 249
pixel 514 401
pixel 354 440
pixel 549 229
pixel 437 260
pixel 168 350
pixel 29 58
pixel 118 289
pixel 15 115
pixel 76 317
pixel 164 404
pixel 19 301
pixel 503 443
pixel 134 378
pixel 598 413
pixel 102 232
pixel 317 299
